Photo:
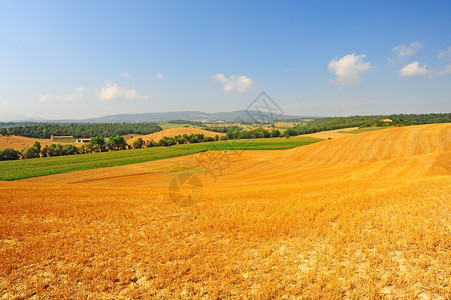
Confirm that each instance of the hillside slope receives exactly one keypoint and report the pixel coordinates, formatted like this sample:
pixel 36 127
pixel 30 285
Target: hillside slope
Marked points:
pixel 423 150
pixel 171 133
pixel 20 142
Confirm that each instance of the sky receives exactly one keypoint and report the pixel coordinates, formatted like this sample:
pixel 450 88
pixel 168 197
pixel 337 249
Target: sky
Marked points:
pixel 81 59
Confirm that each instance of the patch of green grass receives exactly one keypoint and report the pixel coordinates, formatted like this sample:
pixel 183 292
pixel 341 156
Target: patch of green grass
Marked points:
pixel 27 168
pixel 279 143
pixel 360 130
pixel 173 125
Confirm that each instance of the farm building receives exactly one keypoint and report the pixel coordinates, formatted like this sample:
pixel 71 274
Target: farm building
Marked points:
pixel 387 121
pixel 82 140
pixel 61 137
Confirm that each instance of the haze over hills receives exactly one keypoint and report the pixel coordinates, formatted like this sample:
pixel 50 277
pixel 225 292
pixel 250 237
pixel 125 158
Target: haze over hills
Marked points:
pixel 250 115
pixel 19 118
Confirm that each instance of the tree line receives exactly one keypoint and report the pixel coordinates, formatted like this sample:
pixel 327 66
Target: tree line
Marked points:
pixel 99 144
pixel 45 131
pixel 117 142
pixel 332 123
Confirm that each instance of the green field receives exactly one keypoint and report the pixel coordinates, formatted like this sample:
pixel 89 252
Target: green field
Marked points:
pixel 165 126
pixel 20 169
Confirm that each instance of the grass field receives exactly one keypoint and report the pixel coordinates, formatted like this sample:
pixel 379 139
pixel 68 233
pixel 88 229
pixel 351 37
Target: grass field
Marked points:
pixel 173 125
pixel 357 217
pixel 20 169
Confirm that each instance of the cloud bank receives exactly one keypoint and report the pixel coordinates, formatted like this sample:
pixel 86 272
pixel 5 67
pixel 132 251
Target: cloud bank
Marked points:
pixel 446 70
pixel 405 51
pixel 446 53
pixel 78 94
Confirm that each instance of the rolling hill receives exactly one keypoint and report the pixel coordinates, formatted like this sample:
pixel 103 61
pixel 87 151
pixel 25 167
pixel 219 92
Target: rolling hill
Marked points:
pixel 171 133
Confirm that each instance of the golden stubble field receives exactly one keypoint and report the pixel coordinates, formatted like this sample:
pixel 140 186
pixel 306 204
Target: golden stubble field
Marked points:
pixel 366 216
pixel 156 136
pixel 20 142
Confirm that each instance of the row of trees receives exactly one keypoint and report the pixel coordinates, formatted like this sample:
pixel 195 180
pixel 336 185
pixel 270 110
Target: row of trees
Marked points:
pixel 96 144
pixel 184 139
pixel 45 131
pixel 257 133
pixel 99 144
pixel 331 123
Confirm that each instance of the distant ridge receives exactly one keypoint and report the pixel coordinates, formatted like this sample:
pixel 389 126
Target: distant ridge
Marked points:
pixel 242 115
pixel 190 116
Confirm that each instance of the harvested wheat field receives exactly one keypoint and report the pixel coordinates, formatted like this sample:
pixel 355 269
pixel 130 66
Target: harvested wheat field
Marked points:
pixel 363 216
pixel 171 133
pixel 333 134
pixel 20 142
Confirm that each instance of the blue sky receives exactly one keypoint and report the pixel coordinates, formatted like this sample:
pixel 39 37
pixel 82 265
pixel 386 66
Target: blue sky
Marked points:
pixel 78 59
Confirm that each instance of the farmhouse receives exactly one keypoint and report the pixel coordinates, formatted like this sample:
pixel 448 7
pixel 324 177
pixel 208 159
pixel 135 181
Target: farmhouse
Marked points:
pixel 82 140
pixel 61 137
pixel 387 121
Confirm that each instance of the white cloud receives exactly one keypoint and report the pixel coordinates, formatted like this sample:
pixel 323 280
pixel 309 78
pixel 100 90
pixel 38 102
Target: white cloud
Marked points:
pixel 405 51
pixel 76 95
pixel 112 91
pixel 234 83
pixel 159 76
pixel 348 68
pixel 413 69
pixel 125 74
pixel 446 70
pixel 446 53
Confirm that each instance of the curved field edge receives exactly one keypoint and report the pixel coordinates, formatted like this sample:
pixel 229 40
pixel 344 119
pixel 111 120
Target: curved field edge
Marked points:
pixel 28 168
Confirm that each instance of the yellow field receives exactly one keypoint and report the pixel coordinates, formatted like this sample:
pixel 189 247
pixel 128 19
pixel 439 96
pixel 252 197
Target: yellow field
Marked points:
pixel 363 216
pixel 333 134
pixel 171 133
pixel 20 142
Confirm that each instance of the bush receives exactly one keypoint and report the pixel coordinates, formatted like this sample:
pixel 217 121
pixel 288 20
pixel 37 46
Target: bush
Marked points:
pixel 138 144
pixel 9 154
pixel 30 152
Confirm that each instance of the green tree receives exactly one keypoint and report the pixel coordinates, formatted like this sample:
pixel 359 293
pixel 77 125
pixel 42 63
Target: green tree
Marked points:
pixel 9 154
pixel 275 133
pixel 55 150
pixel 97 144
pixel 37 145
pixel 151 143
pixel 45 151
pixel 138 144
pixel 30 152
pixel 118 142
pixel 69 150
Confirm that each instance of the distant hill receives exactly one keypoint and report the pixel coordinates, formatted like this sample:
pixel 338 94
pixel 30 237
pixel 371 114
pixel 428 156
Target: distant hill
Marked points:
pixel 242 115
pixel 19 118
pixel 190 116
